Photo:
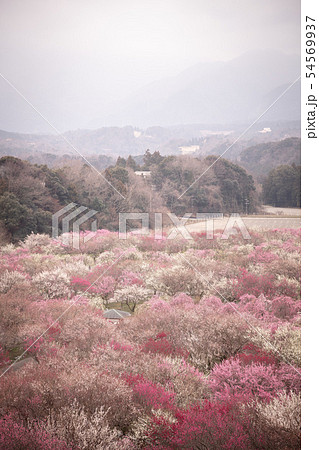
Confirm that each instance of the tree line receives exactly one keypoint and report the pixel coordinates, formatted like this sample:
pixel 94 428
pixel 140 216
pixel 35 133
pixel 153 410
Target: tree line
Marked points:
pixel 282 187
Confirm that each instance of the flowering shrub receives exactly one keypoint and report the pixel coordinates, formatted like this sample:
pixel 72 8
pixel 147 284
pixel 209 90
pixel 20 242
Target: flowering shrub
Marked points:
pixel 222 287
pixel 121 347
pixel 151 396
pixel 52 284
pixel 283 339
pixel 284 411
pixel 209 425
pixel 252 354
pixel 9 279
pixel 4 357
pixel 105 286
pixel 160 344
pixel 288 287
pixel 285 307
pixel 256 379
pixel 289 268
pixel 85 430
pixel 131 296
pixel 81 284
pixel 248 283
pixel 128 278
pixel 211 302
pixel 75 267
pixel 258 307
pixel 101 286
pixel 176 279
pixel 279 421
pixel 182 301
pixel 14 435
pixel 157 304
pixel 36 242
pixel 105 258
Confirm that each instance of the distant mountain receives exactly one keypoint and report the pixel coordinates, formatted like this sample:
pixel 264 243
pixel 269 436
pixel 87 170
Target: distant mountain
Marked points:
pixel 102 146
pixel 231 145
pixel 236 91
pixel 260 159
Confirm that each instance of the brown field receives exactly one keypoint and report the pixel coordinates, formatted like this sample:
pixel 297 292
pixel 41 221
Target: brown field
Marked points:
pixel 273 218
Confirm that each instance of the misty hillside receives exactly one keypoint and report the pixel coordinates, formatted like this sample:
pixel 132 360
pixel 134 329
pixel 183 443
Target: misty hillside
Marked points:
pixel 260 159
pixel 102 146
pixel 235 91
pixel 221 92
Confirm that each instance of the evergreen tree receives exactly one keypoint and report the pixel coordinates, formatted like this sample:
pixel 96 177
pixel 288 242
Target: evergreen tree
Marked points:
pixel 282 187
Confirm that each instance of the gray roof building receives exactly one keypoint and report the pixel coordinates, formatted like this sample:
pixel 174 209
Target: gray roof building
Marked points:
pixel 115 314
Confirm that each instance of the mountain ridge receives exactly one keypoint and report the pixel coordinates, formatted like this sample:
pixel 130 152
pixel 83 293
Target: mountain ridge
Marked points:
pixel 236 90
pixel 217 92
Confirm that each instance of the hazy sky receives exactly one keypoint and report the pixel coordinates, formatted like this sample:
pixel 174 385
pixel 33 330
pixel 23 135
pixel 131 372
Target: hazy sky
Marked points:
pixel 80 53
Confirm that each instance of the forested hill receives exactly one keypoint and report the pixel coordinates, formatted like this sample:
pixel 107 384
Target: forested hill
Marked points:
pixel 30 194
pixel 211 184
pixel 260 159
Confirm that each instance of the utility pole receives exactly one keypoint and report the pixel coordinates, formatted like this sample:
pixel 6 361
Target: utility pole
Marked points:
pixel 152 188
pixel 246 204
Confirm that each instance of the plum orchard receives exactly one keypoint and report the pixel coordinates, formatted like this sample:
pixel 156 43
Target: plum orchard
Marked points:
pixel 210 357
